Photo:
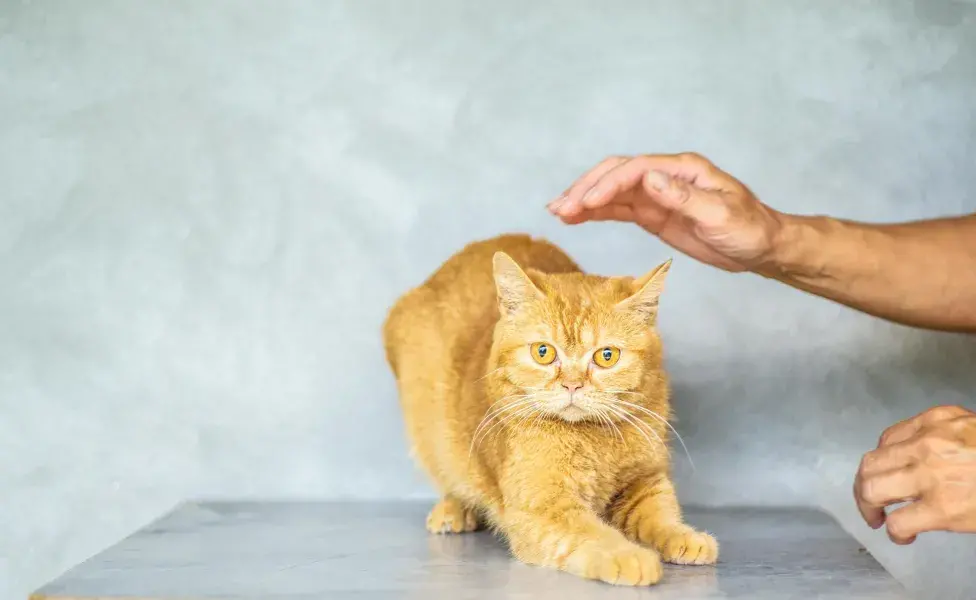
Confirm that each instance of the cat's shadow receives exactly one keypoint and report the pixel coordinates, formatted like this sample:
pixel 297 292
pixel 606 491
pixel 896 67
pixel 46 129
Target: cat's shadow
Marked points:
pixel 483 563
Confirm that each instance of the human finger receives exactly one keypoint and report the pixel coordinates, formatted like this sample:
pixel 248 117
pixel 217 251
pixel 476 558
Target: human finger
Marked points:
pixel 612 212
pixel 665 192
pixel 906 522
pixel 579 187
pixel 873 493
pixel 888 458
pixel 688 167
pixel 903 430
pixel 879 462
pixel 884 489
pixel 899 432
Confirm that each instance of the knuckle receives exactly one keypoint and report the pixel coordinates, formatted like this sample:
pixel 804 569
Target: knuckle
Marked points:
pixel 680 191
pixel 946 411
pixel 935 444
pixel 958 424
pixel 692 157
pixel 928 444
pixel 869 491
pixel 867 461
pixel 886 436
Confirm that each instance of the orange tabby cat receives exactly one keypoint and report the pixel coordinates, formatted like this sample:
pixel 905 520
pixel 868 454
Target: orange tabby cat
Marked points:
pixel 537 402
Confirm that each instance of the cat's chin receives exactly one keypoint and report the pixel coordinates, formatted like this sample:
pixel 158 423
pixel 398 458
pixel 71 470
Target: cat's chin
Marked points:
pixel 572 414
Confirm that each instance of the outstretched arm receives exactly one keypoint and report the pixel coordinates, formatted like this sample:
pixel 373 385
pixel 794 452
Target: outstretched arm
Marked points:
pixel 921 273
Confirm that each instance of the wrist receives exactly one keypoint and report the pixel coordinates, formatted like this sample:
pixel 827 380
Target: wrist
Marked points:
pixel 797 248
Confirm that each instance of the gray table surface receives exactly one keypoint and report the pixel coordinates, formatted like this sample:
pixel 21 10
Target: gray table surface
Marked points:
pixel 370 551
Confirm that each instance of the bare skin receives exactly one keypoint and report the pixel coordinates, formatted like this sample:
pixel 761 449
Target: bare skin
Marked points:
pixel 928 461
pixel 921 274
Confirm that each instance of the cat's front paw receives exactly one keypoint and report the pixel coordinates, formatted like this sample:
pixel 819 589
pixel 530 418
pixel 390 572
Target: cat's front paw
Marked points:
pixel 450 516
pixel 685 546
pixel 619 564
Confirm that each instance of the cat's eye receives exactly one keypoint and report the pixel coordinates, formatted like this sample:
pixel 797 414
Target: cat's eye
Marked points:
pixel 542 353
pixel 606 357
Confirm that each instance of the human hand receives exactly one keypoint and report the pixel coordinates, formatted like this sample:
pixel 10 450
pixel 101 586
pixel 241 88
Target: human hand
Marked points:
pixel 929 461
pixel 685 200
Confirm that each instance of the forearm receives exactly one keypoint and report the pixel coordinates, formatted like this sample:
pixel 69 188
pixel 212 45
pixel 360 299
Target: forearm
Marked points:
pixel 921 274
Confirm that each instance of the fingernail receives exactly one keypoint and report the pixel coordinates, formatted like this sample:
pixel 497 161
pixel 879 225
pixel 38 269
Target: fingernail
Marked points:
pixel 657 180
pixel 552 206
pixel 565 206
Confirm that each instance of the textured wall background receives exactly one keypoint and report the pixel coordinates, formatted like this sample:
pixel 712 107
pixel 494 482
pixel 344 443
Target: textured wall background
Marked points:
pixel 206 208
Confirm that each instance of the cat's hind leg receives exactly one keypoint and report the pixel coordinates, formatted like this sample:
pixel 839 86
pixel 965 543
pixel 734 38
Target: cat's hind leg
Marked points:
pixel 648 512
pixel 450 515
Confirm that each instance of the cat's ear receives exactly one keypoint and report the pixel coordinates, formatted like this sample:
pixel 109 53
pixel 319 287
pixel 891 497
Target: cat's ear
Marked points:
pixel 647 291
pixel 513 285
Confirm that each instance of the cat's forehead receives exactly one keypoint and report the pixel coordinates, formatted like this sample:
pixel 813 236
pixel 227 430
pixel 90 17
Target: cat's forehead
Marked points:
pixel 580 309
pixel 576 291
pixel 577 327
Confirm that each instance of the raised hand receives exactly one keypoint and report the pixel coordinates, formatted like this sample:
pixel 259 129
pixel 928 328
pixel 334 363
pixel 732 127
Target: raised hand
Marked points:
pixel 685 200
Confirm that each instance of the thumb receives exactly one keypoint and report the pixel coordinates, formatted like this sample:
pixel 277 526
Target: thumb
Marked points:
pixel 705 207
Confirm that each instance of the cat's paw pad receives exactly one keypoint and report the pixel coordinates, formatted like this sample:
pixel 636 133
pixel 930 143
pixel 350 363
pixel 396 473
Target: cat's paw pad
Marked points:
pixel 685 546
pixel 625 564
pixel 450 516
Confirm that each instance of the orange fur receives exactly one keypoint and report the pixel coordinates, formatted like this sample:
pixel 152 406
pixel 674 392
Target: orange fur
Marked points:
pixel 580 485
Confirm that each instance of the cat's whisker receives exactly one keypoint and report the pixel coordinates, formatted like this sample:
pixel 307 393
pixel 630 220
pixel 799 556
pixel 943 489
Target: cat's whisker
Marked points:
pixel 663 420
pixel 528 400
pixel 510 396
pixel 634 423
pixel 477 436
pixel 643 423
pixel 623 392
pixel 602 419
pixel 524 414
pixel 491 414
pixel 517 398
pixel 542 414
pixel 615 427
pixel 489 373
pixel 637 423
pixel 608 422
pixel 514 400
pixel 523 420
pixel 509 408
pixel 498 424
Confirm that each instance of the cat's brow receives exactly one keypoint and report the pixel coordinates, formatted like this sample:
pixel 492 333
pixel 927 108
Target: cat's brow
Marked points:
pixel 576 326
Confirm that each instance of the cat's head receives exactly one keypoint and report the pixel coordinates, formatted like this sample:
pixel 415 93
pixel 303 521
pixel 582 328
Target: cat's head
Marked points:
pixel 573 346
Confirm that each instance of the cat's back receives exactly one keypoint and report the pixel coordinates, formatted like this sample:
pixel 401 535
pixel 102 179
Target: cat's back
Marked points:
pixel 457 303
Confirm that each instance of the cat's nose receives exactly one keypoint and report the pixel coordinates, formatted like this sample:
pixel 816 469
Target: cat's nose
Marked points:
pixel 572 387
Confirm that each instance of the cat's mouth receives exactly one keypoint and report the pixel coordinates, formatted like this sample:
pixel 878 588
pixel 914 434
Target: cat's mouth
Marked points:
pixel 572 413
pixel 569 409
